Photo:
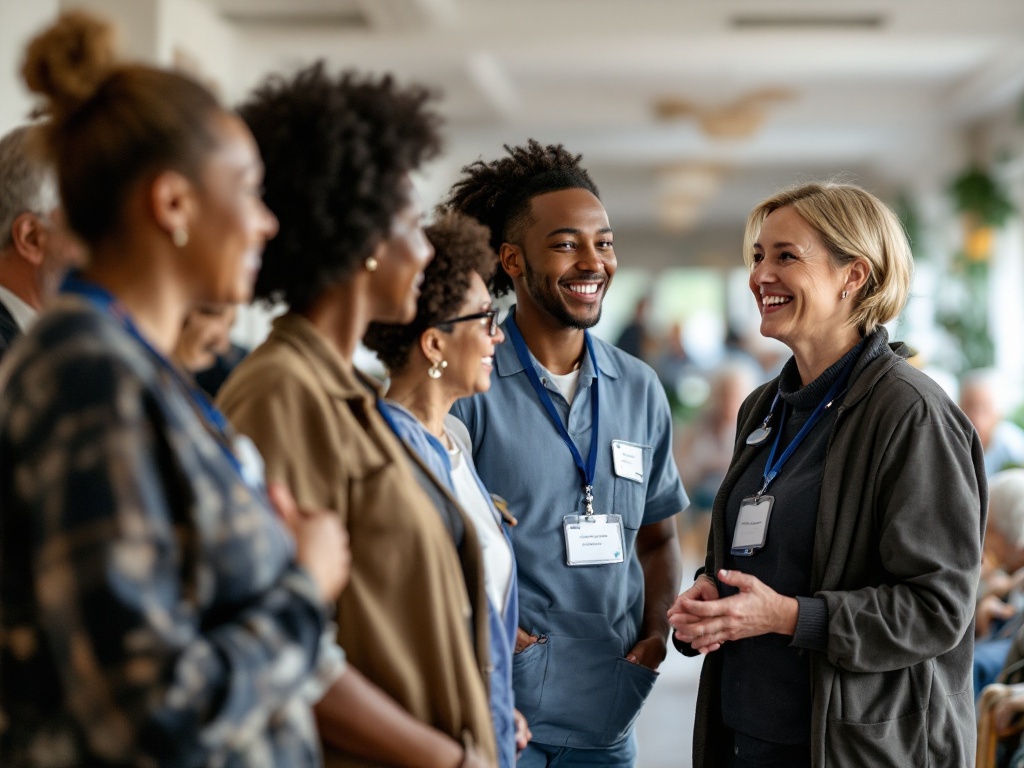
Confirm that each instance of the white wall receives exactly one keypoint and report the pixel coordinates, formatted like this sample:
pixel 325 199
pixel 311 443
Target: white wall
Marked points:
pixel 192 36
pixel 19 21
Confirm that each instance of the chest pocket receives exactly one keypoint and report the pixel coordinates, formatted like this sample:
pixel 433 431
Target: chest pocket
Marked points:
pixel 629 493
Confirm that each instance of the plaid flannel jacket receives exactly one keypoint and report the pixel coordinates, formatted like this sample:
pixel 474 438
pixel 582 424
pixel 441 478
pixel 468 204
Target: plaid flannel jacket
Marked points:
pixel 151 612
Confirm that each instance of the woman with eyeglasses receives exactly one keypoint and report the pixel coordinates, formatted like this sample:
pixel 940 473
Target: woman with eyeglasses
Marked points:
pixel 446 353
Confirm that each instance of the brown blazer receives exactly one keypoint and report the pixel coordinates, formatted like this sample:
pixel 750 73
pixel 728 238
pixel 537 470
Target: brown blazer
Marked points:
pixel 414 604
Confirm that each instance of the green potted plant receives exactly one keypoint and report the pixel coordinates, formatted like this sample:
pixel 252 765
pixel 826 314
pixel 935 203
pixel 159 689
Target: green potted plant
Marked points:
pixel 985 206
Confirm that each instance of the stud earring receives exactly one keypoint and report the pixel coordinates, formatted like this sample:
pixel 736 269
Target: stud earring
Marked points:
pixel 845 294
pixel 434 371
pixel 370 264
pixel 179 236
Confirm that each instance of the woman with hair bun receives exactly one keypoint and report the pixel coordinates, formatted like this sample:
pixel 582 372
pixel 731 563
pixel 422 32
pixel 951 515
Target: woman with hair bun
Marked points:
pixel 155 610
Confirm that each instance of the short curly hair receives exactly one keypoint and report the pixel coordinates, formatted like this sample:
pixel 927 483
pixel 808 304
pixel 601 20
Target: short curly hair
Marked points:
pixel 336 150
pixel 461 247
pixel 498 193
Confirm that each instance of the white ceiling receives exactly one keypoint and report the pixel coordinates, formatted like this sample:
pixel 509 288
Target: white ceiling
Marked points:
pixel 880 91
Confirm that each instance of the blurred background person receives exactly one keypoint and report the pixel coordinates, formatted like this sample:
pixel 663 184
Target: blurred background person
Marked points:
pixel 155 611
pixel 445 353
pixel 843 566
pixel 635 337
pixel 1002 440
pixel 705 448
pixel 36 250
pixel 1000 601
pixel 205 349
pixel 671 362
pixel 339 151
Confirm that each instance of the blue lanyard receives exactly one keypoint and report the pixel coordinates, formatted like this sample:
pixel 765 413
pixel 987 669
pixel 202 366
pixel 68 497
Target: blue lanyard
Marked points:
pixel 772 470
pixel 586 470
pixel 100 297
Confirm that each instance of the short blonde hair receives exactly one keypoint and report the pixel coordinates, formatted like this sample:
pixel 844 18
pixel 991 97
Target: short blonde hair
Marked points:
pixel 852 224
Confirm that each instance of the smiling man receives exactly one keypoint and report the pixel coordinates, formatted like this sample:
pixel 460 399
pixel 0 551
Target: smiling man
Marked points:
pixel 576 436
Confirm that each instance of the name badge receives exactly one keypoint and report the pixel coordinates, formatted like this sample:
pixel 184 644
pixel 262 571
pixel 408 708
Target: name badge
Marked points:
pixel 253 469
pixel 593 539
pixel 628 460
pixel 752 525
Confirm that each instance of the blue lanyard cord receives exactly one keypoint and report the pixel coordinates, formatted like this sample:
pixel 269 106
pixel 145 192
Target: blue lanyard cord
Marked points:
pixel 772 468
pixel 586 470
pixel 210 415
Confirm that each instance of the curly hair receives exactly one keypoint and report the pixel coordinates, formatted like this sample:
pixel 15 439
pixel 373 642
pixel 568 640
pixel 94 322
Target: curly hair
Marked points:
pixel 461 247
pixel 336 151
pixel 111 123
pixel 498 193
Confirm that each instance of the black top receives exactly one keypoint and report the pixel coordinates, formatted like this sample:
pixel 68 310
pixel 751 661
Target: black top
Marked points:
pixel 766 680
pixel 9 329
pixel 210 379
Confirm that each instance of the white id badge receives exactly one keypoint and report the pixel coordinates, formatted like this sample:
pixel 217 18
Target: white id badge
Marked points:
pixel 752 525
pixel 628 460
pixel 251 462
pixel 593 539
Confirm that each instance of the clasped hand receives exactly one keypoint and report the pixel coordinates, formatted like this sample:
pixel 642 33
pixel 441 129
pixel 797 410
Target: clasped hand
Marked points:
pixel 706 621
pixel 321 543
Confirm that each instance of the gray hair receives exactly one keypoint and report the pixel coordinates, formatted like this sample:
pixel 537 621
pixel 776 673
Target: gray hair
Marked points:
pixel 1006 505
pixel 27 181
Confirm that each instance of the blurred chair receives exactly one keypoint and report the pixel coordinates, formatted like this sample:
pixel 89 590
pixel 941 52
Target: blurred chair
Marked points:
pixel 992 735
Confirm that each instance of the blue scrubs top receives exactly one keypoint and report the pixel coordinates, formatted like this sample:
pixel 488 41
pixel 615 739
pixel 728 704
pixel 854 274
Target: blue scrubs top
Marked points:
pixel 575 686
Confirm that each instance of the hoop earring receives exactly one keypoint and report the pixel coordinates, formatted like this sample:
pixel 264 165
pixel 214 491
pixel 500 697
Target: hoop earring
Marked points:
pixel 370 264
pixel 434 371
pixel 845 294
pixel 179 236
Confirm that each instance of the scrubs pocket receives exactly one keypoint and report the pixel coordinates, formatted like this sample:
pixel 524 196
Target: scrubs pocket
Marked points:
pixel 529 668
pixel 588 688
pixel 633 684
pixel 630 496
pixel 580 685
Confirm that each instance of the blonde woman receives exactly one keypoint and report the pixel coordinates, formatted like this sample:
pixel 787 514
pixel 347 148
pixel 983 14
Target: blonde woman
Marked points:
pixel 836 603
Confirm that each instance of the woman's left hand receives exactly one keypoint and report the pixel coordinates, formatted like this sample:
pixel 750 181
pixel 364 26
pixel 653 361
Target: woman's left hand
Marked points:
pixel 756 610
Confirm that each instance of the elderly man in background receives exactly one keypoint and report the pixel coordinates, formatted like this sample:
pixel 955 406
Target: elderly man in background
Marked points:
pixel 35 247
pixel 999 613
pixel 1002 440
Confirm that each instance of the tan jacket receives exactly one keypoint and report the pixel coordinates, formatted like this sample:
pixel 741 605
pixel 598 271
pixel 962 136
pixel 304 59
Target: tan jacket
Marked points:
pixel 406 620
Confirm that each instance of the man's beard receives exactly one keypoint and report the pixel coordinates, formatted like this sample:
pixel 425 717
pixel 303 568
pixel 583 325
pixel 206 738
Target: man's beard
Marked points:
pixel 546 300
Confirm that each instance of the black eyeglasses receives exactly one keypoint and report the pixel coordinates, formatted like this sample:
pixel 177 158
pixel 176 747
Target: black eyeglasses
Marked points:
pixel 490 314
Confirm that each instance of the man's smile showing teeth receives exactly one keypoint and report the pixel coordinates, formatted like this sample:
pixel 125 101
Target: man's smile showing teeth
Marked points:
pixel 584 289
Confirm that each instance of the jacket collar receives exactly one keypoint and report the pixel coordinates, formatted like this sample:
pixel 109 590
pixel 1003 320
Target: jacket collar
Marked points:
pixel 338 379
pixel 877 358
pixel 507 363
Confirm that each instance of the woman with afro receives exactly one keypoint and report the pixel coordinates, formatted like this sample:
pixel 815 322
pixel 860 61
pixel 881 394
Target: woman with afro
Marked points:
pixel 338 152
